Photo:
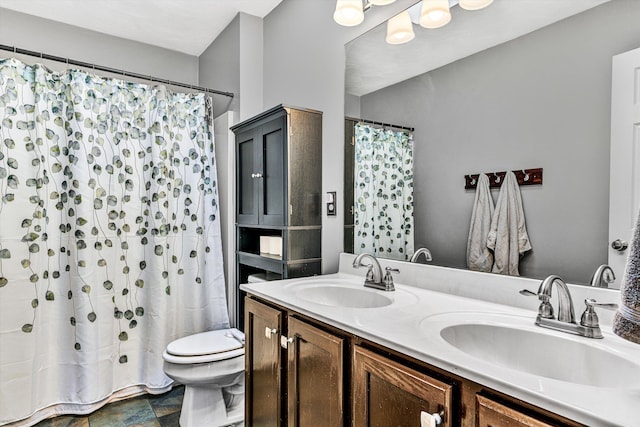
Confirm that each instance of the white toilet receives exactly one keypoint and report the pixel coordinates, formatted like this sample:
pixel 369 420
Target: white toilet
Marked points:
pixel 211 366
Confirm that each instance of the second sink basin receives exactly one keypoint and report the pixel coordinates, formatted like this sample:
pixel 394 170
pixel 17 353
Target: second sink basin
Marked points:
pixel 343 296
pixel 514 343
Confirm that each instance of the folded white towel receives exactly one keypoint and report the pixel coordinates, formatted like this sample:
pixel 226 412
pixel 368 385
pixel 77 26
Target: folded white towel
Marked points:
pixel 508 236
pixel 479 257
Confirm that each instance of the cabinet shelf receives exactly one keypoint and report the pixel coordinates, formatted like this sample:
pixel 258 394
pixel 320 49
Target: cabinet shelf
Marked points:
pixel 268 263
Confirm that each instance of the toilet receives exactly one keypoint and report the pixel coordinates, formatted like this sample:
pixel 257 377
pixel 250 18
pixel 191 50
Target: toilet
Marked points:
pixel 211 367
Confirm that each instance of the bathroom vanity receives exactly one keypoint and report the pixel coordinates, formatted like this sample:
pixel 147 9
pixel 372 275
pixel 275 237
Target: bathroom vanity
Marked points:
pixel 326 351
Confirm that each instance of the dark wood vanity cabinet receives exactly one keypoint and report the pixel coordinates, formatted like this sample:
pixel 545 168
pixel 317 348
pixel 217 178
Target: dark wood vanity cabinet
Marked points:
pixel 388 394
pixel 294 371
pixel 315 380
pixel 301 372
pixel 492 413
pixel 263 365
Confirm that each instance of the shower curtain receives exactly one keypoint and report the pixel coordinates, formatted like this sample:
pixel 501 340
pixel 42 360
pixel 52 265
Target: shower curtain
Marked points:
pixel 383 193
pixel 109 237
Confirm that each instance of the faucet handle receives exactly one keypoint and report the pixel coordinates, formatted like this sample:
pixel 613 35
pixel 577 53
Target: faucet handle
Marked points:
pixel 369 276
pixel 590 303
pixel 545 310
pixel 590 317
pixel 388 277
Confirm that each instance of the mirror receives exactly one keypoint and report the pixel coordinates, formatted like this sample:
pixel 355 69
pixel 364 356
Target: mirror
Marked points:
pixel 539 100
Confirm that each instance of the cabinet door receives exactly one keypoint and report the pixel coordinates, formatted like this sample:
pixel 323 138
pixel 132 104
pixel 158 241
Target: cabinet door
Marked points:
pixel 247 166
pixel 494 414
pixel 314 377
pixel 273 154
pixel 386 393
pixel 263 365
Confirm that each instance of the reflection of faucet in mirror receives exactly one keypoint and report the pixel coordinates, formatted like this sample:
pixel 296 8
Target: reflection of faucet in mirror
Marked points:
pixel 603 276
pixel 425 251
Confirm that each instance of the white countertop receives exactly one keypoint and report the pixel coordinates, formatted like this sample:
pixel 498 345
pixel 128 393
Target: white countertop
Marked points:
pixel 428 299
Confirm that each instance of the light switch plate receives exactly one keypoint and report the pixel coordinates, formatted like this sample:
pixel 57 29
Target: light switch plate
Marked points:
pixel 330 199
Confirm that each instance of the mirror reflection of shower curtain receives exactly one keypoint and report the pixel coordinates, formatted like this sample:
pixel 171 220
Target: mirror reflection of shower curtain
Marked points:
pixel 383 190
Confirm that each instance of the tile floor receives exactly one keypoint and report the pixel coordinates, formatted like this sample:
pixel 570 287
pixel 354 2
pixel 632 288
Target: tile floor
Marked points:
pixel 143 411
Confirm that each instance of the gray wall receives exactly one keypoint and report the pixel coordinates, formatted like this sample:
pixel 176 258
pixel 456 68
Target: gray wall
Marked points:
pixel 233 63
pixel 42 35
pixel 542 100
pixel 219 66
pixel 304 63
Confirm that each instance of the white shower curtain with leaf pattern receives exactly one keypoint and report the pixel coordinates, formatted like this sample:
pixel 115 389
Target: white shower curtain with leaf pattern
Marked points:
pixel 383 193
pixel 109 237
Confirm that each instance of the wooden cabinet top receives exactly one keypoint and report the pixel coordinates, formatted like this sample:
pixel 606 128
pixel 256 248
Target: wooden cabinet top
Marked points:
pixel 270 112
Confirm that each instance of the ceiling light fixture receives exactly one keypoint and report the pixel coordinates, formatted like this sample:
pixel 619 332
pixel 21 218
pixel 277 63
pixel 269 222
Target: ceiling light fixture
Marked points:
pixel 400 29
pixel 435 13
pixel 349 12
pixel 428 13
pixel 474 4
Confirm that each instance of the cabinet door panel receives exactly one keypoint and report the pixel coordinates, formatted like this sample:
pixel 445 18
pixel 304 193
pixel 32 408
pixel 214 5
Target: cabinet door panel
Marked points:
pixel 494 414
pixel 272 198
pixel 245 174
pixel 388 394
pixel 315 377
pixel 263 365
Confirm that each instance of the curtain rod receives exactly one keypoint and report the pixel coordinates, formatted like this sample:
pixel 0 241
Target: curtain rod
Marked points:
pixel 388 125
pixel 112 70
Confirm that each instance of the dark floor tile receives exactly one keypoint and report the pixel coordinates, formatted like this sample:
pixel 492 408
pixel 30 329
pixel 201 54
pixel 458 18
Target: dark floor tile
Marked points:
pixel 150 423
pixel 123 414
pixel 167 403
pixel 172 420
pixel 65 421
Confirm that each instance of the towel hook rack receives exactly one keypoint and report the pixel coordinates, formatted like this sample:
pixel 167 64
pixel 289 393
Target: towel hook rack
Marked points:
pixel 524 176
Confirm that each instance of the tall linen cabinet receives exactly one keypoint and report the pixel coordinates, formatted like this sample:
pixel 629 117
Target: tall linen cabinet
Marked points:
pixel 278 194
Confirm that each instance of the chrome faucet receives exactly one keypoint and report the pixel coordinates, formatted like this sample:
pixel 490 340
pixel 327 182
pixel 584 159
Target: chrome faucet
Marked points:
pixel 374 277
pixel 589 326
pixel 565 303
pixel 425 251
pixel 603 276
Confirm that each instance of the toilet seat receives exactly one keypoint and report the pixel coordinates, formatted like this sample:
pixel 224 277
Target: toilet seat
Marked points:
pixel 205 347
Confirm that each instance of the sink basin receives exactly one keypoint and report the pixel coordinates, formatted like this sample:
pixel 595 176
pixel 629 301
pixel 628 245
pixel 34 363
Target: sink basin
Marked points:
pixel 337 295
pixel 571 359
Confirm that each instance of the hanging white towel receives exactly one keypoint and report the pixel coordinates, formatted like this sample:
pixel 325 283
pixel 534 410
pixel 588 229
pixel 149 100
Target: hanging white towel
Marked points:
pixel 508 236
pixel 479 257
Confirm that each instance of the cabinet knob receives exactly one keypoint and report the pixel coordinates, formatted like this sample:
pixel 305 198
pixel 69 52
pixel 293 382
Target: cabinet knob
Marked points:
pixel 284 341
pixel 431 420
pixel 268 332
pixel 256 175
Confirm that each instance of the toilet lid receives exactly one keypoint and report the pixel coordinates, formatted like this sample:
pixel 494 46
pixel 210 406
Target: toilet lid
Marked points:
pixel 212 342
